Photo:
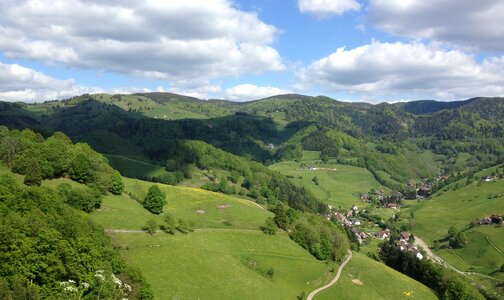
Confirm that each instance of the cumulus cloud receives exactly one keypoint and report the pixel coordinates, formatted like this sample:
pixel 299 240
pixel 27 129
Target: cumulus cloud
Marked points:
pixel 327 8
pixel 175 40
pixel 414 70
pixel 468 23
pixel 245 92
pixel 18 83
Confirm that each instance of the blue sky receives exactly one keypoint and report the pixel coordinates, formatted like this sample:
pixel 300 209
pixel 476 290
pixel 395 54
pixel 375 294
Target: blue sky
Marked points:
pixel 374 50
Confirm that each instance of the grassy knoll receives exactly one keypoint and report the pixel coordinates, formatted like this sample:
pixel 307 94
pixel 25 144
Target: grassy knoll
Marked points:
pixel 373 280
pixel 220 265
pixel 339 187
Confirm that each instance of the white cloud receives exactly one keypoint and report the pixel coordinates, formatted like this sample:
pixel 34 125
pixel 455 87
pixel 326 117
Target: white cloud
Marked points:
pixel 175 40
pixel 18 83
pixel 468 23
pixel 245 92
pixel 399 70
pixel 327 8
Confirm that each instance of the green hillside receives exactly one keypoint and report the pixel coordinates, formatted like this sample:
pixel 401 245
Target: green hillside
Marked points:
pixel 226 253
pixel 361 277
pixel 338 185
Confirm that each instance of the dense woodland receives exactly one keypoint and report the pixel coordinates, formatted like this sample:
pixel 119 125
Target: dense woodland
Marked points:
pixel 49 247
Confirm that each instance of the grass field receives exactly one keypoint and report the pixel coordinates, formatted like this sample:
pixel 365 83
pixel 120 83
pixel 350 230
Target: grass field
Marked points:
pixel 373 280
pixel 218 265
pixel 339 187
pixel 224 256
pixel 205 209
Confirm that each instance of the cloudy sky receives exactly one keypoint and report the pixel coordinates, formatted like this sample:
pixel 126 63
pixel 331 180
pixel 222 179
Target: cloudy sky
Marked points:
pixel 354 50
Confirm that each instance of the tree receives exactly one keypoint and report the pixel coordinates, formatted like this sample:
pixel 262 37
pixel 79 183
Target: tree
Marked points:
pixel 184 226
pixel 33 174
pixel 458 241
pixel 151 226
pixel 155 200
pixel 315 180
pixel 170 223
pixel 269 227
pixel 116 183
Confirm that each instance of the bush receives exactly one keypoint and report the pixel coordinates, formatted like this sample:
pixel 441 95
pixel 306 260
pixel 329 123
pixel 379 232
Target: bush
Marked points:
pixel 151 226
pixel 269 227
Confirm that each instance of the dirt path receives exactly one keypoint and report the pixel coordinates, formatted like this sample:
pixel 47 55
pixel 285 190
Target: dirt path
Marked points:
pixel 490 242
pixel 135 160
pixel 335 279
pixel 195 230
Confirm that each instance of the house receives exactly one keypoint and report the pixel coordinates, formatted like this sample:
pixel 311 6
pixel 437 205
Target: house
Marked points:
pixel 404 236
pixel 485 221
pixel 364 197
pixel 350 214
pixel 355 221
pixel 488 178
pixel 393 205
pixel 419 255
pixel 383 234
pixel 496 219
pixel 355 208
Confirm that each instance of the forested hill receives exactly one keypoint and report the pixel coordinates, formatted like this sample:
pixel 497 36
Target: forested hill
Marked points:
pixel 388 139
pixel 49 247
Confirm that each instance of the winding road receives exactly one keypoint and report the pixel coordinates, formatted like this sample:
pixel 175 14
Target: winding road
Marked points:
pixel 335 279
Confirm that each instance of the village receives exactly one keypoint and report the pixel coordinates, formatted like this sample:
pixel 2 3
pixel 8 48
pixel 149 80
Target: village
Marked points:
pixel 365 228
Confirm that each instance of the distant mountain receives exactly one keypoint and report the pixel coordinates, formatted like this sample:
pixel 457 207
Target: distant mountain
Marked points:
pixel 385 138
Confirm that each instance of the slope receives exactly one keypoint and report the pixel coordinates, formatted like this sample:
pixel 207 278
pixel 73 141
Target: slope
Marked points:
pixel 226 255
pixel 363 275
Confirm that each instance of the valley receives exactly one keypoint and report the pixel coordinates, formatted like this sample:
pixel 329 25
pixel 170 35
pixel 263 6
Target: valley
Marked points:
pixel 263 199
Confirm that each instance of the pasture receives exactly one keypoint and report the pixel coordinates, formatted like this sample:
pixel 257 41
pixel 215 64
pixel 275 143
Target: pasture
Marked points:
pixel 339 185
pixel 365 278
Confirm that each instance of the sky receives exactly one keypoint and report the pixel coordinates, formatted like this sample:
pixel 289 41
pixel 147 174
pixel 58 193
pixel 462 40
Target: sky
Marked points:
pixel 240 50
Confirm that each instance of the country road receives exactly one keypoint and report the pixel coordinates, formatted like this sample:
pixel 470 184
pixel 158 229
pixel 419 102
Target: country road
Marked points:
pixel 335 279
pixel 419 242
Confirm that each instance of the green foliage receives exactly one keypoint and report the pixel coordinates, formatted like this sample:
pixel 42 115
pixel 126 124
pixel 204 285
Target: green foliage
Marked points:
pixel 116 183
pixel 26 152
pixel 155 200
pixel 269 227
pixel 169 223
pixel 83 199
pixel 459 240
pixel 448 284
pixel 33 174
pixel 151 226
pixel 45 242
pixel 185 226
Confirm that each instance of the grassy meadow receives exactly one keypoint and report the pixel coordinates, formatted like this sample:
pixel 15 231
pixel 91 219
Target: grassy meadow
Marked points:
pixel 203 208
pixel 364 278
pixel 226 255
pixel 339 185
pixel 220 265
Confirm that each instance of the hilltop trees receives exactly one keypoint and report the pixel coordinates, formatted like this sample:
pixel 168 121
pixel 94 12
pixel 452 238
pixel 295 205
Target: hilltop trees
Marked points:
pixel 45 240
pixel 155 200
pixel 27 153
